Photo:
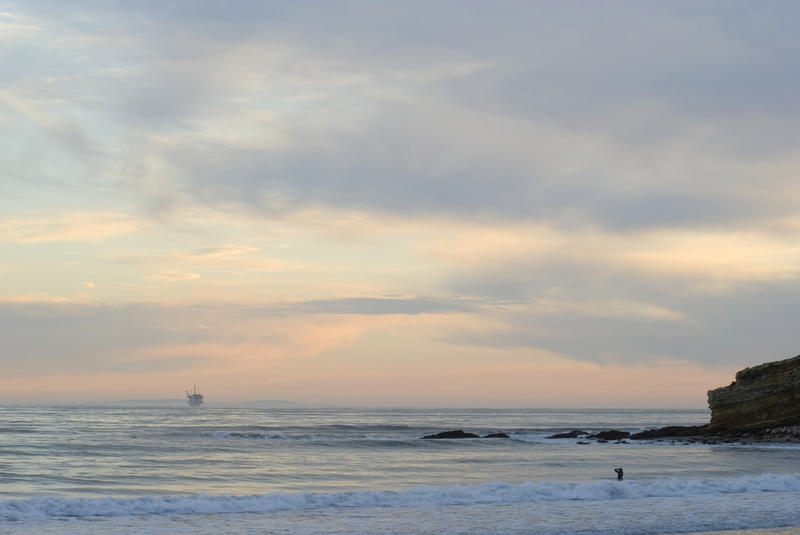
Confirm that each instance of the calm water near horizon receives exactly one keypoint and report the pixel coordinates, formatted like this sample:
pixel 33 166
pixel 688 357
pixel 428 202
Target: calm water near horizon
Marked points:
pixel 113 470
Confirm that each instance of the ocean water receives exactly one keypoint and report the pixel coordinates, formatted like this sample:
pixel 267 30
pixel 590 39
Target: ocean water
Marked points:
pixel 210 470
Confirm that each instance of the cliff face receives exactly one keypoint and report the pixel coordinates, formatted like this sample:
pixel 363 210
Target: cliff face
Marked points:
pixel 763 396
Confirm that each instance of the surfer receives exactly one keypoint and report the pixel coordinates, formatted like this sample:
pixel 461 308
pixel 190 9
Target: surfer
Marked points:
pixel 619 473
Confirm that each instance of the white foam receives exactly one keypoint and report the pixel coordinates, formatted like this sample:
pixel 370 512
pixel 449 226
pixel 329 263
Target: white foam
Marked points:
pixel 241 435
pixel 488 493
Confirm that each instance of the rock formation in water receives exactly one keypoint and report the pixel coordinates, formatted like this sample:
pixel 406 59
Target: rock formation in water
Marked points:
pixel 611 434
pixel 575 433
pixel 458 433
pixel 761 397
pixel 671 431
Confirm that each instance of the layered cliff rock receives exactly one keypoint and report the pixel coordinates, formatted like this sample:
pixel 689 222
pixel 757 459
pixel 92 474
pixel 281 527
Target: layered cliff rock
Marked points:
pixel 764 396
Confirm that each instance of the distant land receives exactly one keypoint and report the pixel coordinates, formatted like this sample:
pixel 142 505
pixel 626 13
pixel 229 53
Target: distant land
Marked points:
pixel 180 402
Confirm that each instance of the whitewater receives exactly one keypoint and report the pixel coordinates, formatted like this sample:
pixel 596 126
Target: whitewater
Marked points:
pixel 114 470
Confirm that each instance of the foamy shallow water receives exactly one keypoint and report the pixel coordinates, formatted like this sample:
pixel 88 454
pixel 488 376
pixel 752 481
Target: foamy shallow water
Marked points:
pixel 546 508
pixel 623 516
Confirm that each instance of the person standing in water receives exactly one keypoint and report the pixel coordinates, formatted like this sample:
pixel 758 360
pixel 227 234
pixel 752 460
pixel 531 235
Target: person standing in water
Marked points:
pixel 619 473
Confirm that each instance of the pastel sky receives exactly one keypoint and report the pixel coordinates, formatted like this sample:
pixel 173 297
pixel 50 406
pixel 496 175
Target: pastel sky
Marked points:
pixel 419 203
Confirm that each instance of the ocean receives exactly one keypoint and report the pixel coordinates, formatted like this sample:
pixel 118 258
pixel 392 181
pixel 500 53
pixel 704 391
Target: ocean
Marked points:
pixel 212 470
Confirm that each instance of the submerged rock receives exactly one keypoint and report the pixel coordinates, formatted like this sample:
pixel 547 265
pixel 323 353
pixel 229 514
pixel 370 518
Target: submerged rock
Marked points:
pixel 602 436
pixel 610 435
pixel 670 431
pixel 497 435
pixel 575 433
pixel 458 433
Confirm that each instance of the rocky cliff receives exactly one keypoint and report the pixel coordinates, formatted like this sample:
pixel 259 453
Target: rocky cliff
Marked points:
pixel 764 396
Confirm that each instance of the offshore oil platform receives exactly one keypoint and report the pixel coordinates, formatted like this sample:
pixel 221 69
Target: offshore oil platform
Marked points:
pixel 195 397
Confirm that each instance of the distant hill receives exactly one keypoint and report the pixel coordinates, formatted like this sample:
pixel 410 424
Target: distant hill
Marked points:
pixel 180 402
pixel 266 403
pixel 172 402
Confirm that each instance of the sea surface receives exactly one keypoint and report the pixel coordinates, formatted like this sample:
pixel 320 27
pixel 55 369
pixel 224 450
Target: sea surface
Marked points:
pixel 211 470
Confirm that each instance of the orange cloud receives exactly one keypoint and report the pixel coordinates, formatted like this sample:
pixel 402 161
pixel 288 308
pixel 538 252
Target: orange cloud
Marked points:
pixel 173 275
pixel 724 256
pixel 80 226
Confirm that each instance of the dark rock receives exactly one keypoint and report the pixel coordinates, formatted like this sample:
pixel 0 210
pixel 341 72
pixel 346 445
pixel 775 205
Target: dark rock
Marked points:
pixel 670 431
pixel 610 435
pixel 458 433
pixel 575 433
pixel 497 435
pixel 582 442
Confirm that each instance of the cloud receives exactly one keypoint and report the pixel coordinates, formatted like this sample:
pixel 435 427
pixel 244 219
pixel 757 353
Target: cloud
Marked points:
pixel 92 338
pixel 383 305
pixel 524 260
pixel 625 310
pixel 95 338
pixel 234 258
pixel 744 326
pixel 36 298
pixel 15 26
pixel 605 183
pixel 590 294
pixel 552 115
pixel 173 275
pixel 223 250
pixel 725 256
pixel 74 226
pixel 79 336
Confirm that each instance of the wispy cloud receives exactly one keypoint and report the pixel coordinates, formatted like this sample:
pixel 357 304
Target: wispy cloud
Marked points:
pixel 700 257
pixel 384 305
pixel 13 25
pixel 723 256
pixel 282 118
pixel 233 257
pixel 76 226
pixel 222 251
pixel 173 275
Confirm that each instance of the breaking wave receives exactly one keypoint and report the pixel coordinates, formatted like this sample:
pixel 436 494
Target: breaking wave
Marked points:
pixel 487 493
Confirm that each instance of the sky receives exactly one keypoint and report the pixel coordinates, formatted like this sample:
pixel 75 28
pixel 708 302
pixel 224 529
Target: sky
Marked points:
pixel 418 203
